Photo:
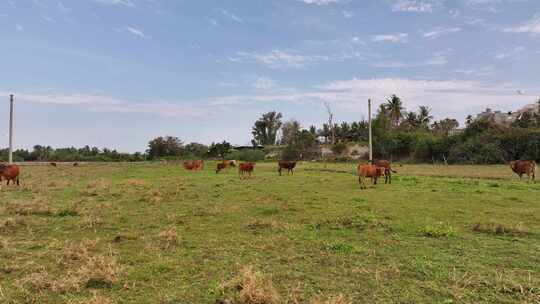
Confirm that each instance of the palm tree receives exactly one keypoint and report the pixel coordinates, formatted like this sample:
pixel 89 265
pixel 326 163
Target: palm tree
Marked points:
pixel 411 120
pixel 424 116
pixel 395 109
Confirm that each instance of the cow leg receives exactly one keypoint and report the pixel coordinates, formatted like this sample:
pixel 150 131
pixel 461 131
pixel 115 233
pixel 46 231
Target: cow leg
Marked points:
pixel 18 184
pixel 8 181
pixel 279 170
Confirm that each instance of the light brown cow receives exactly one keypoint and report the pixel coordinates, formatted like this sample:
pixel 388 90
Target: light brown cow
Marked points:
pixel 10 173
pixel 225 164
pixel 521 167
pixel 371 171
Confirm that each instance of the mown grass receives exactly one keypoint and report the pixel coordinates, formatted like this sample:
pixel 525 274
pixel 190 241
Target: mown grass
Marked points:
pixel 154 233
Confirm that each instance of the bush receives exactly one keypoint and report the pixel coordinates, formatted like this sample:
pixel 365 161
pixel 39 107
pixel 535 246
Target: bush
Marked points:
pixel 247 155
pixel 339 148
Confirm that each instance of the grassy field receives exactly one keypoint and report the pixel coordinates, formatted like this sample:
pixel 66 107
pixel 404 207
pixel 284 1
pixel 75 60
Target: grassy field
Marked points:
pixel 154 233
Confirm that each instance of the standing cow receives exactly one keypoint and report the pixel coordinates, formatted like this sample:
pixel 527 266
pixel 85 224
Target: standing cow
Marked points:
pixel 244 168
pixel 371 171
pixel 10 173
pixel 387 165
pixel 521 167
pixel 224 165
pixel 288 165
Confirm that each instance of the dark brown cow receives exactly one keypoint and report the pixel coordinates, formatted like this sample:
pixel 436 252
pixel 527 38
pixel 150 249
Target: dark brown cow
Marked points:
pixel 521 167
pixel 371 171
pixel 224 165
pixel 10 173
pixel 52 164
pixel 244 168
pixel 75 164
pixel 387 165
pixel 288 165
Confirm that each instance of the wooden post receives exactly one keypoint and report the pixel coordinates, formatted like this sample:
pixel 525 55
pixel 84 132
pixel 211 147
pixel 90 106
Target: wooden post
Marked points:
pixel 11 128
pixel 370 134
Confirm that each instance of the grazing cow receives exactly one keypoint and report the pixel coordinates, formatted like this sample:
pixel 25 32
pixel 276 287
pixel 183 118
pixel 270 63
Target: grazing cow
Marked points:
pixel 288 165
pixel 52 164
pixel 387 165
pixel 371 171
pixel 244 168
pixel 193 165
pixel 10 173
pixel 75 164
pixel 224 165
pixel 521 167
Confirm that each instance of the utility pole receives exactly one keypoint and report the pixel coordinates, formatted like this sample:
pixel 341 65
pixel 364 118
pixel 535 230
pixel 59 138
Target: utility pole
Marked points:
pixel 370 136
pixel 11 128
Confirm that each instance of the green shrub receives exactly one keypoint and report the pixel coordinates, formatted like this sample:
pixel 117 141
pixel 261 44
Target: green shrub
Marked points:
pixel 247 155
pixel 438 231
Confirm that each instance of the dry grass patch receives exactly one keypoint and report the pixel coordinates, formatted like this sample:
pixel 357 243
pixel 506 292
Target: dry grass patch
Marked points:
pixel 499 229
pixel 12 223
pixel 78 251
pixel 34 207
pixel 136 182
pixel 251 287
pixel 91 221
pixel 169 237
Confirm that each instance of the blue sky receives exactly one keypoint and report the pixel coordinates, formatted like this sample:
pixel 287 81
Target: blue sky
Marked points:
pixel 116 73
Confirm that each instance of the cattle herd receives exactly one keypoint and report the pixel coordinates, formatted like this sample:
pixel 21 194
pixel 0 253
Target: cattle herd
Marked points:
pixel 374 170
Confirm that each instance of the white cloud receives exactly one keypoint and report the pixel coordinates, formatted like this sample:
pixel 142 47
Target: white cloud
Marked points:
pixel 416 6
pixel 531 26
pixel 347 14
pixel 277 59
pixel 319 2
pixel 135 31
pixel 510 54
pixel 127 3
pixel 444 96
pixel 213 21
pixel 262 83
pixel 19 27
pixel 400 37
pixel 103 103
pixel 437 60
pixel 232 16
pixel 440 31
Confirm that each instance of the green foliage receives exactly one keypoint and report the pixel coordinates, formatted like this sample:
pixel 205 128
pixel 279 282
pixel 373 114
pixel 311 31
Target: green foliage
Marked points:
pixel 265 129
pixel 339 148
pixel 219 149
pixel 438 230
pixel 165 146
pixel 247 155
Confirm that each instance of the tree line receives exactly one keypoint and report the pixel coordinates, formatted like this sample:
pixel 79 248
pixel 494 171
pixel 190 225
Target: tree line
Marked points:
pixel 398 134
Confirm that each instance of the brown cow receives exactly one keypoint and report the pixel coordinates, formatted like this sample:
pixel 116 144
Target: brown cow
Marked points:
pixel 52 164
pixel 10 173
pixel 387 165
pixel 75 164
pixel 371 171
pixel 193 165
pixel 521 167
pixel 224 165
pixel 244 168
pixel 288 165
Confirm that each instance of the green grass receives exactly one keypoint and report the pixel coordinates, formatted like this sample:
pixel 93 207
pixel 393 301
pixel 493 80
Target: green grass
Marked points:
pixel 149 233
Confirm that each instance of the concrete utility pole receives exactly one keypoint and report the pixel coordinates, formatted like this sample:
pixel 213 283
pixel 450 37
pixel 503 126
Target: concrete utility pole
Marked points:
pixel 11 128
pixel 370 136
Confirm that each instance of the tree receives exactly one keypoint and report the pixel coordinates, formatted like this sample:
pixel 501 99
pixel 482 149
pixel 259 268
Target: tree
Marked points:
pixel 411 121
pixel 424 116
pixel 445 126
pixel 265 129
pixel 289 131
pixel 219 149
pixel 161 147
pixel 395 109
pixel 196 150
pixel 331 125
